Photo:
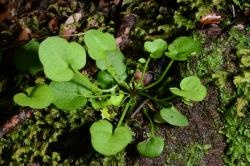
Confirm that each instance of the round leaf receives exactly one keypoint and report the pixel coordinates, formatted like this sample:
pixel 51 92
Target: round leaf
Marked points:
pixel 152 147
pixel 156 47
pixel 69 95
pixel 173 116
pixel 182 47
pixel 39 97
pixel 60 58
pixel 191 89
pixel 107 142
pixel 99 43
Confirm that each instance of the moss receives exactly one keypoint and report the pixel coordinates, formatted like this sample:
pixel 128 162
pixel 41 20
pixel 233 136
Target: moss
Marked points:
pixel 37 139
pixel 221 64
pixel 164 19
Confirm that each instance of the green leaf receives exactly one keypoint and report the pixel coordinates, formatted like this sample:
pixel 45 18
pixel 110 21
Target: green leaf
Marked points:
pixel 142 60
pixel 156 47
pixel 69 95
pixel 38 97
pixel 114 64
pixel 152 147
pixel 108 114
pixel 116 100
pixel 105 79
pixel 61 58
pixel 117 67
pixel 106 141
pixel 99 43
pixel 102 48
pixel 191 89
pixel 173 116
pixel 183 47
pixel 102 103
pixel 26 58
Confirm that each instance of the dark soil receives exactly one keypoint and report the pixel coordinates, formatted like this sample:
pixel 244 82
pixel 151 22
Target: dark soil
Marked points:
pixel 204 122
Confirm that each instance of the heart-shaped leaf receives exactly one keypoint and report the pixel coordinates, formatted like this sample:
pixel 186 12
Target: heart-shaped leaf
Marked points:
pixel 183 47
pixel 173 116
pixel 191 89
pixel 156 47
pixel 61 58
pixel 26 58
pixel 152 147
pixel 106 141
pixel 99 43
pixel 38 97
pixel 69 95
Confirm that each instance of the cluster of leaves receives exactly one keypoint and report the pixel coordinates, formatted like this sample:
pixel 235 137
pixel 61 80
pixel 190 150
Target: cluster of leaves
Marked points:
pixel 70 89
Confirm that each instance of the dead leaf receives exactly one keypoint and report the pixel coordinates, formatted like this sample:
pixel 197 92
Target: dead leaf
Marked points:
pixel 53 24
pixel 24 36
pixel 70 25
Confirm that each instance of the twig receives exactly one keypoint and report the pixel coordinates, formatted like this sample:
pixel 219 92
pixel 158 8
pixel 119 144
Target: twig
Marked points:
pixel 14 121
pixel 139 108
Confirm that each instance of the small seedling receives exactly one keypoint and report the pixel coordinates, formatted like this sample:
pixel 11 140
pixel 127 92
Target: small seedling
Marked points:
pixel 70 89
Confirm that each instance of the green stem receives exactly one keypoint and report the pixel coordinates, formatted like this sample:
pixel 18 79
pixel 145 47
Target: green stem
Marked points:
pixel 83 80
pixel 161 77
pixel 151 123
pixel 124 112
pixel 153 98
pixel 145 69
pixel 167 98
pixel 121 83
pixel 100 96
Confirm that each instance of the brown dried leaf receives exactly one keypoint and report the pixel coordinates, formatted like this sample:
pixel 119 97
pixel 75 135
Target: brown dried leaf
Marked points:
pixel 24 36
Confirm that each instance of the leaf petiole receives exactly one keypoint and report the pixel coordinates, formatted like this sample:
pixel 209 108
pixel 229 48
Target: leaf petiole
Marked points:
pixel 124 112
pixel 161 77
pixel 145 69
pixel 151 123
